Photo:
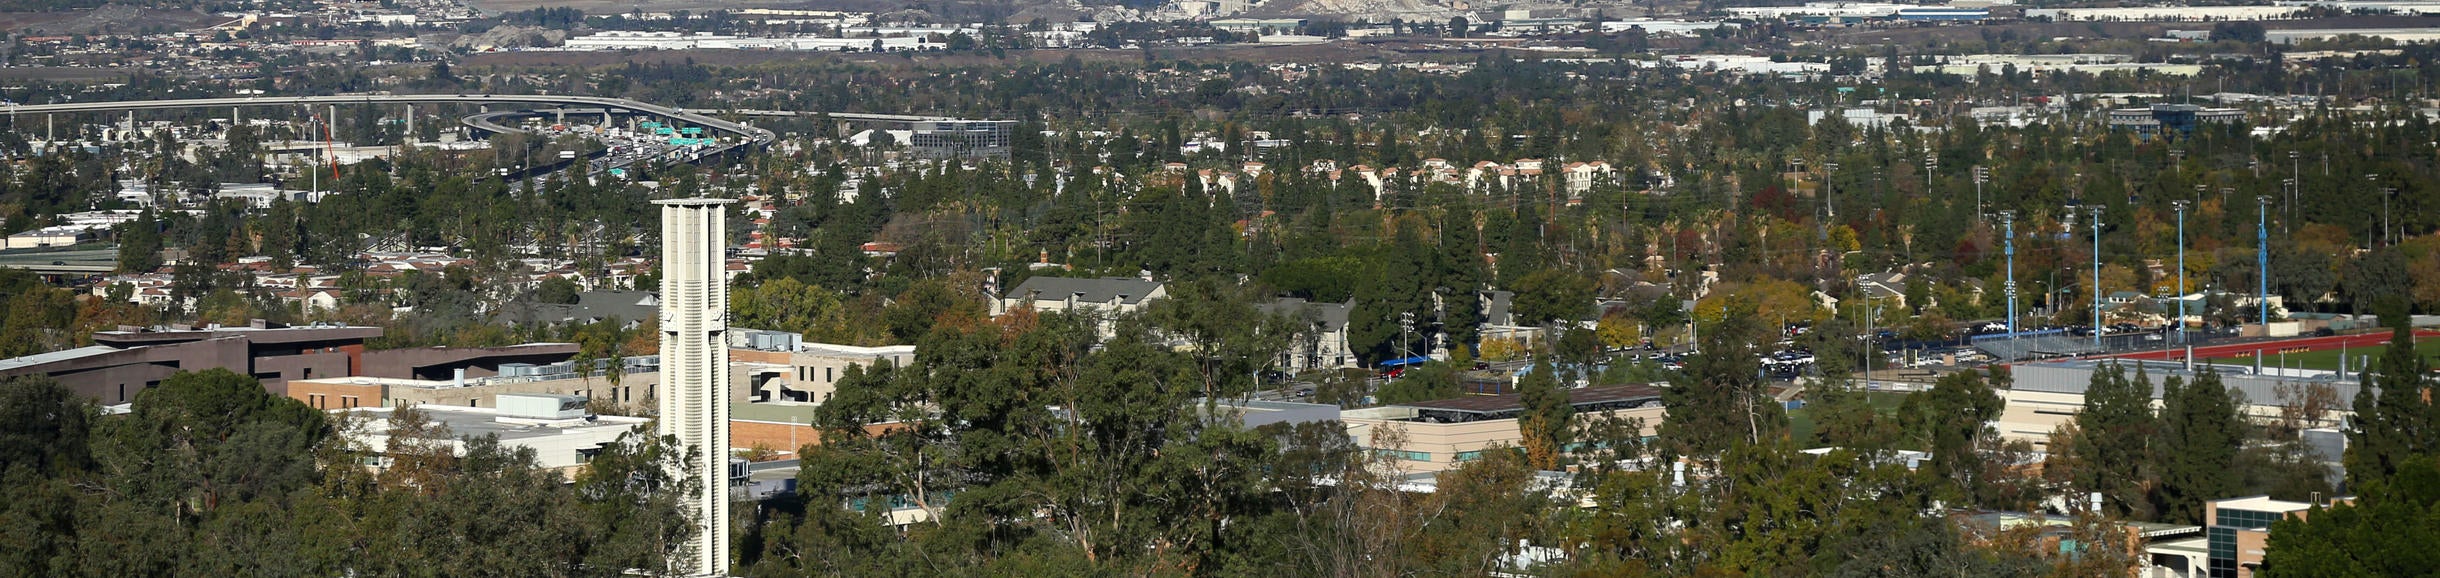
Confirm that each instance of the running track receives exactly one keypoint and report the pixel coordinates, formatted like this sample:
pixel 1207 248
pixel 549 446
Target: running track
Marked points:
pixel 2356 341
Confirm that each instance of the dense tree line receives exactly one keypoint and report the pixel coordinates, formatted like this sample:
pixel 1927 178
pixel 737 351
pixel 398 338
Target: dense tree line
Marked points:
pixel 211 475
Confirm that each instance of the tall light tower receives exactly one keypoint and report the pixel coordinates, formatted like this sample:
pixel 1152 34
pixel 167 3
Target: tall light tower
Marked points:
pixel 2181 269
pixel 2094 211
pixel 694 391
pixel 2262 261
pixel 2007 221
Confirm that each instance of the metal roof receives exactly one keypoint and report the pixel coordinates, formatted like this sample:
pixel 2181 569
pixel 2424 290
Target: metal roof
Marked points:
pixel 1490 404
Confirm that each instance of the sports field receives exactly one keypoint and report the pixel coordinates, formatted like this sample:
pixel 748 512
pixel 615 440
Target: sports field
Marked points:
pixel 2327 359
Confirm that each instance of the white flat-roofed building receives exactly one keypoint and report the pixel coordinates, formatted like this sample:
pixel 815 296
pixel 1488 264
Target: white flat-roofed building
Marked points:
pixel 558 442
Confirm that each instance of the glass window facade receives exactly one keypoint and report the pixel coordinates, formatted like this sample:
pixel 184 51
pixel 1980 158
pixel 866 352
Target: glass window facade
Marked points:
pixel 2223 537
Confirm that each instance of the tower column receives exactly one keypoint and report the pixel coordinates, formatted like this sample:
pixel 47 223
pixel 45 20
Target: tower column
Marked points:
pixel 694 396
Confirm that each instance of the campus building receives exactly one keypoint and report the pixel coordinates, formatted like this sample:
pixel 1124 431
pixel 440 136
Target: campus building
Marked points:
pixel 2047 395
pixel 2182 118
pixel 122 363
pixel 1438 435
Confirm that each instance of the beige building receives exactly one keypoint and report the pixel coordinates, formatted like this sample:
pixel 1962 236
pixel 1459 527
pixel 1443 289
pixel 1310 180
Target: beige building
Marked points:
pixel 634 386
pixel 1438 435
pixel 2044 396
pixel 776 368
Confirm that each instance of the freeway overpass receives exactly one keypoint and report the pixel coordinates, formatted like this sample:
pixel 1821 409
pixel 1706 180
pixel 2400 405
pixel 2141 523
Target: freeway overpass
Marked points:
pixel 753 136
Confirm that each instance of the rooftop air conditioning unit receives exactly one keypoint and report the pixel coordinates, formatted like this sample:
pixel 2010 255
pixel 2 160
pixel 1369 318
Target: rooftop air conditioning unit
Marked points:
pixel 540 406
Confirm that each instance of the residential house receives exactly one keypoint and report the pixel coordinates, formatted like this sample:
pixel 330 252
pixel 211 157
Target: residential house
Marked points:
pixel 1326 346
pixel 1106 297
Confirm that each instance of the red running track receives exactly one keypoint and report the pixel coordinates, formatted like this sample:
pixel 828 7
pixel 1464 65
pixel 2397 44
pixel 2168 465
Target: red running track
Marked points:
pixel 2356 341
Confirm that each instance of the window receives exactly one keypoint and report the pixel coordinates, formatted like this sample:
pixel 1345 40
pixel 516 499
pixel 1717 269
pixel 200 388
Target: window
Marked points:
pixel 828 377
pixel 347 401
pixel 316 400
pixel 1404 455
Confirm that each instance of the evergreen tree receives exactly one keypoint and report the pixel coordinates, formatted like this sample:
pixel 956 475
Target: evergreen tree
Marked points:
pixel 2201 435
pixel 140 244
pixel 2395 416
pixel 1547 418
pixel 1949 421
pixel 2112 436
pixel 1721 400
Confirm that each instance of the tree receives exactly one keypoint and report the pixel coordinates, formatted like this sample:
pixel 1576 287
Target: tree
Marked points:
pixel 1950 421
pixel 786 305
pixel 1545 422
pixel 2201 433
pixel 1429 381
pixel 2395 418
pixel 1551 295
pixel 1720 399
pixel 140 244
pixel 2112 437
pixel 44 428
pixel 556 289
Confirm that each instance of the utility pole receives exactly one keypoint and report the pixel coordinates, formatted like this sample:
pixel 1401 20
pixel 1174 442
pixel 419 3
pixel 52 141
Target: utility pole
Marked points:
pixel 2095 212
pixel 1829 204
pixel 1980 174
pixel 2262 261
pixel 2181 269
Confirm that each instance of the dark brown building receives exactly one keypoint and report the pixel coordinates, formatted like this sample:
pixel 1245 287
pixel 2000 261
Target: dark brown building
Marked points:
pixel 121 363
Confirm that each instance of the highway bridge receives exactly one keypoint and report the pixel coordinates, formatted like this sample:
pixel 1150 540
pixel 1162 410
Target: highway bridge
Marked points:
pixel 753 136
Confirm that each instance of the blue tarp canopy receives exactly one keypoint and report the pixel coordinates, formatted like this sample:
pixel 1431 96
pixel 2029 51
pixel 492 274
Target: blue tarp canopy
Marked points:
pixel 1417 360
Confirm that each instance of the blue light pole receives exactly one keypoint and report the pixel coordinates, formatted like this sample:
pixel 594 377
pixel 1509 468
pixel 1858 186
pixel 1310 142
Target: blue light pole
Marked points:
pixel 2262 260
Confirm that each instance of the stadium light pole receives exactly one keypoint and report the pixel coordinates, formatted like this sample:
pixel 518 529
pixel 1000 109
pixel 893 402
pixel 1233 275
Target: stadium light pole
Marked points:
pixel 2181 270
pixel 2262 261
pixel 2007 220
pixel 2094 211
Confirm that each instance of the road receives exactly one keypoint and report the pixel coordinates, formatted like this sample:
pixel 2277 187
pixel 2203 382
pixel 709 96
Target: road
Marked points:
pixel 753 136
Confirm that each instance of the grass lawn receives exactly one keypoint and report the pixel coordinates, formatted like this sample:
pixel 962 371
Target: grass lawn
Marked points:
pixel 1800 421
pixel 2327 359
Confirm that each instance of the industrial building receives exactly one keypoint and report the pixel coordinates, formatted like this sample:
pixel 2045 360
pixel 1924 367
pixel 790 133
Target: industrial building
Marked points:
pixel 953 138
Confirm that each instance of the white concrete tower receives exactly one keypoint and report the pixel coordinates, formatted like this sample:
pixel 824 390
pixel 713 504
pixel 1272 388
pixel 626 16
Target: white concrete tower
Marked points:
pixel 694 368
